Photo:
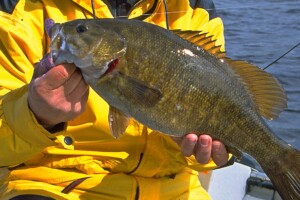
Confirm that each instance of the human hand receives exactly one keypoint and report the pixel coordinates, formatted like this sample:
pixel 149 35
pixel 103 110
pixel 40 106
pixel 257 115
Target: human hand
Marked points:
pixel 56 94
pixel 203 148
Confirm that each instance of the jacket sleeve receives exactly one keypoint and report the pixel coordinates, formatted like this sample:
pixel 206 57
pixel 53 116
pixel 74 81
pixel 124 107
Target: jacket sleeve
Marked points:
pixel 22 45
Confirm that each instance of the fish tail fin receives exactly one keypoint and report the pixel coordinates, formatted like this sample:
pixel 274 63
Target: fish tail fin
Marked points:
pixel 285 174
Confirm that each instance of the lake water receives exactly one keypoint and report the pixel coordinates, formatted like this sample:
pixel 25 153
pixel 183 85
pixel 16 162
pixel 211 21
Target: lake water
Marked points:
pixel 260 32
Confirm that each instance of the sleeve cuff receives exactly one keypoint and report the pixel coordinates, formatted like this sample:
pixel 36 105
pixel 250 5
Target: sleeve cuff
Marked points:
pixel 193 164
pixel 22 121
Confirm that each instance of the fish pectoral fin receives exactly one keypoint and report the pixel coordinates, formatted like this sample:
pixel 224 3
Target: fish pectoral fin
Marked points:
pixel 118 121
pixel 139 93
pixel 202 40
pixel 266 91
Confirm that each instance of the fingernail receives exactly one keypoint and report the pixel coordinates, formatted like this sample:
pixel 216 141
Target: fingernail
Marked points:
pixel 216 146
pixel 191 140
pixel 204 142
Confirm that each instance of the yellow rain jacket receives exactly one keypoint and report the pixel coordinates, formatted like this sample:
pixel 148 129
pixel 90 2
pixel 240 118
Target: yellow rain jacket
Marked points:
pixel 84 161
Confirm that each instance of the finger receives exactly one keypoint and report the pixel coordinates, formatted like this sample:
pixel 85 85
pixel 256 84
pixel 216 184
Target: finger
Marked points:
pixel 203 149
pixel 188 144
pixel 219 153
pixel 58 75
pixel 74 81
pixel 78 90
pixel 80 105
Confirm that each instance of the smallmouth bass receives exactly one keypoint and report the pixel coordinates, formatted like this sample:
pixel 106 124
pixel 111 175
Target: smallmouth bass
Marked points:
pixel 180 82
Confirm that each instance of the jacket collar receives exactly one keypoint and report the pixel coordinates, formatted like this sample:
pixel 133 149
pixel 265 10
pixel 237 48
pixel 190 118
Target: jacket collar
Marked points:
pixel 141 10
pixel 102 7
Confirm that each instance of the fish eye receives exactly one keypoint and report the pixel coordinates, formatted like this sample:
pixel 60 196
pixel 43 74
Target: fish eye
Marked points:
pixel 81 28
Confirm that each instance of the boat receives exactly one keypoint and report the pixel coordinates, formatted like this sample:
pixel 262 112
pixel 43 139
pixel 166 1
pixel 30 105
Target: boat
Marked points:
pixel 238 182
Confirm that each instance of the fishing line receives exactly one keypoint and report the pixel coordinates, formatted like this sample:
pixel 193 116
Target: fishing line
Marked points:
pixel 255 6
pixel 218 8
pixel 251 6
pixel 237 7
pixel 167 15
pixel 159 13
pixel 294 47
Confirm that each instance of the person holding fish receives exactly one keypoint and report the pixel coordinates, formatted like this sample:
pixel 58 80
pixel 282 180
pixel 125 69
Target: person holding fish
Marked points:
pixel 56 140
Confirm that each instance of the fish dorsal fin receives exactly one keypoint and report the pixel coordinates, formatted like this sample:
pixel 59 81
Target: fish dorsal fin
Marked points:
pixel 266 91
pixel 202 40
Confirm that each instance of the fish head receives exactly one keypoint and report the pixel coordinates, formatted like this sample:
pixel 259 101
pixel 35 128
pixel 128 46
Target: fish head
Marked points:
pixel 87 44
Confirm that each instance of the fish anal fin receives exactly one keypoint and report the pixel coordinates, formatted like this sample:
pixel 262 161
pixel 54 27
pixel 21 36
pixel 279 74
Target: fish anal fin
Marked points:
pixel 266 91
pixel 118 121
pixel 202 40
pixel 237 153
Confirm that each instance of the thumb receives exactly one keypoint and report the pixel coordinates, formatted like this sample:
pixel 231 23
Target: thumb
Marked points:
pixel 43 66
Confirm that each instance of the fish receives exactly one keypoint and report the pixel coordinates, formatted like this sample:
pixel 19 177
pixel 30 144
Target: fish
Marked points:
pixel 177 82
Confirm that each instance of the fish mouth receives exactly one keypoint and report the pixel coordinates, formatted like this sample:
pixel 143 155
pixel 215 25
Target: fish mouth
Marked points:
pixel 54 55
pixel 60 57
pixel 58 45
